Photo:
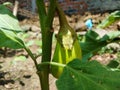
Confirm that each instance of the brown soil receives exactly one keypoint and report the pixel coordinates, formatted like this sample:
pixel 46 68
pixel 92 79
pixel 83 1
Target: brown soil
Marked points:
pixel 21 75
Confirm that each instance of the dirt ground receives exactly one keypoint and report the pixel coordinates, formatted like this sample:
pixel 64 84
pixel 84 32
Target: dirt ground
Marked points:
pixel 21 75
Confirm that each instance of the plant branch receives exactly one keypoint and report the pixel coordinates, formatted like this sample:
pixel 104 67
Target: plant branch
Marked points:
pixel 52 63
pixel 41 11
pixel 62 18
pixel 46 20
pixel 32 56
pixel 51 12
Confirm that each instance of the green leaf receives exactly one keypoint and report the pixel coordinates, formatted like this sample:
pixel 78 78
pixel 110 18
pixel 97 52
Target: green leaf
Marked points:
pixel 9 27
pixel 10 40
pixel 78 75
pixel 113 64
pixel 8 21
pixel 93 43
pixel 110 19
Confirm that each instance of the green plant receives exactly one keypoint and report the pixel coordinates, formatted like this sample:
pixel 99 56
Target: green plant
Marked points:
pixel 113 17
pixel 115 64
pixel 67 47
pixel 105 50
pixel 77 74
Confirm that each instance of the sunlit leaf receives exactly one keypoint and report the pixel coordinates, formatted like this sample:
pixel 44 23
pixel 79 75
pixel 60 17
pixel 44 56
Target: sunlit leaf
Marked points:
pixel 93 43
pixel 115 16
pixel 10 40
pixel 78 75
pixel 9 27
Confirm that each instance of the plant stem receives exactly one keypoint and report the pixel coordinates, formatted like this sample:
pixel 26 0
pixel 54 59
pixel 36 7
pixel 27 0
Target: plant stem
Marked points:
pixel 53 63
pixel 33 58
pixel 46 56
pixel 51 12
pixel 46 20
pixel 44 74
pixel 41 11
pixel 62 18
pixel 31 55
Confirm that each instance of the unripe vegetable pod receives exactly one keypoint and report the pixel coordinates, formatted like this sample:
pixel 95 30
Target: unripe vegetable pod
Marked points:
pixel 67 47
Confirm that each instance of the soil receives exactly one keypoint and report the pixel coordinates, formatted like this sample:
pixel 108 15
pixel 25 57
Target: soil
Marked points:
pixel 21 75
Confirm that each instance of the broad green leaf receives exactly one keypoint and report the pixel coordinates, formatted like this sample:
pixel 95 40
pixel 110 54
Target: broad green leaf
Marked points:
pixel 10 40
pixel 113 64
pixel 93 43
pixel 8 21
pixel 9 27
pixel 110 19
pixel 78 75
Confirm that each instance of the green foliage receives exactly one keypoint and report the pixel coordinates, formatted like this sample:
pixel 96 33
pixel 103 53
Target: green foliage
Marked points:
pixel 7 20
pixel 78 75
pixel 115 64
pixel 106 50
pixel 9 27
pixel 115 16
pixel 93 43
pixel 91 75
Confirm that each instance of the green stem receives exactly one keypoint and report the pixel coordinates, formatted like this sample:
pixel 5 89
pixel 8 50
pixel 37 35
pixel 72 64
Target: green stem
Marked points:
pixel 33 58
pixel 62 18
pixel 46 25
pixel 52 63
pixel 46 56
pixel 31 55
pixel 51 12
pixel 41 11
